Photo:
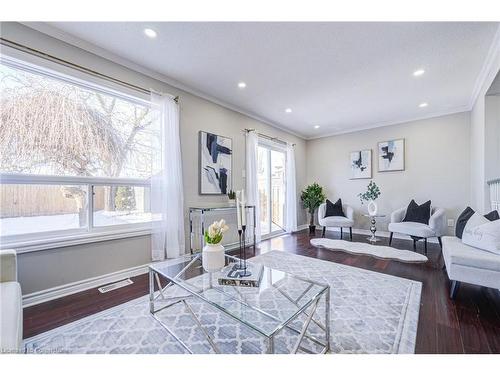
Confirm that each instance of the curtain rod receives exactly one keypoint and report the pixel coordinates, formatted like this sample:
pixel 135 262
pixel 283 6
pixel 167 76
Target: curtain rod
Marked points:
pixel 494 181
pixel 46 56
pixel 274 139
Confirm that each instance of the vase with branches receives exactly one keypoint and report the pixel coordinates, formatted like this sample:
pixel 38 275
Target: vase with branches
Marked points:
pixel 312 197
pixel 370 195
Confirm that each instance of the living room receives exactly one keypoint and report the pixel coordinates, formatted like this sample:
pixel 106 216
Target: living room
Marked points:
pixel 250 187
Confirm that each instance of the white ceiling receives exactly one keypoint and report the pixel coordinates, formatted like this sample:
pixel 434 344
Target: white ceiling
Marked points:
pixel 340 76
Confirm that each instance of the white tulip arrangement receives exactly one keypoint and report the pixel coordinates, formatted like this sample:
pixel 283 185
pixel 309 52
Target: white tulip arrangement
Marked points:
pixel 215 232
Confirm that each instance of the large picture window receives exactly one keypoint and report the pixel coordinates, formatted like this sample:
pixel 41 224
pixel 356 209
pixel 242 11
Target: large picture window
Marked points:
pixel 76 157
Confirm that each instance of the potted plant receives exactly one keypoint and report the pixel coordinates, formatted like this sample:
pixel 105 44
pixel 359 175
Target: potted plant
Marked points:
pixel 370 195
pixel 213 252
pixel 311 198
pixel 232 197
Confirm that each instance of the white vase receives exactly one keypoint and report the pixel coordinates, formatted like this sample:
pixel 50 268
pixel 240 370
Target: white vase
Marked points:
pixel 372 208
pixel 213 257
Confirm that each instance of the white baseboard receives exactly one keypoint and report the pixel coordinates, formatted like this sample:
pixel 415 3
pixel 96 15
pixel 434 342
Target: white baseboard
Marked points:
pixel 302 227
pixel 366 232
pixel 79 286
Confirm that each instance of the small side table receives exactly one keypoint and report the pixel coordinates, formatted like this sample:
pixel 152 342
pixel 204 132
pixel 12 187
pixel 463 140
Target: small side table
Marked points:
pixel 373 227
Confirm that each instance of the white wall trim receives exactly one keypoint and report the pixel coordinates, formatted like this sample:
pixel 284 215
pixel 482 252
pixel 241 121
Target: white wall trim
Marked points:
pixel 302 227
pixel 79 286
pixel 101 52
pixel 273 235
pixel 459 109
pixel 487 70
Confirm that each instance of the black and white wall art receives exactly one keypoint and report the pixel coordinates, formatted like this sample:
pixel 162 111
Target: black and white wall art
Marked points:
pixel 391 155
pixel 361 164
pixel 215 163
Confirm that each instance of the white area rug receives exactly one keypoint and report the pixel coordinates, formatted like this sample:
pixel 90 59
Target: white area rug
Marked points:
pixel 370 313
pixel 359 248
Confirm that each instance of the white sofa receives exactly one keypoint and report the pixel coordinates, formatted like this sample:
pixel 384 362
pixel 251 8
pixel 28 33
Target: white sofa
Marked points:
pixel 436 227
pixel 336 221
pixel 11 310
pixel 470 265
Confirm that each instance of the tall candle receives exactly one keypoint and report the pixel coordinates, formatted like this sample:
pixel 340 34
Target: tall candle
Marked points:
pixel 238 210
pixel 243 210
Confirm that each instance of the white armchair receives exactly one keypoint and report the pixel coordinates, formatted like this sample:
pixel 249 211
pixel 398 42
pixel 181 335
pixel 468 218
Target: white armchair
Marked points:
pixel 418 231
pixel 336 221
pixel 11 311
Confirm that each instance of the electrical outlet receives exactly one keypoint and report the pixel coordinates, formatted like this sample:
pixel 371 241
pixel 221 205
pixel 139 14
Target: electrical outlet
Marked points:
pixel 451 222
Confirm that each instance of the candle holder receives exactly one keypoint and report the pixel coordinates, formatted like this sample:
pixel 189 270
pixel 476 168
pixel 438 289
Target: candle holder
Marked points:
pixel 241 266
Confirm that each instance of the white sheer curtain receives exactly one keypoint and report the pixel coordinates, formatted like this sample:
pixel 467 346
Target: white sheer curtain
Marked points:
pixel 291 191
pixel 252 185
pixel 167 196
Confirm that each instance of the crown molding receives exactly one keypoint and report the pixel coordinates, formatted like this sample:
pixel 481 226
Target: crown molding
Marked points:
pixel 488 71
pixel 401 121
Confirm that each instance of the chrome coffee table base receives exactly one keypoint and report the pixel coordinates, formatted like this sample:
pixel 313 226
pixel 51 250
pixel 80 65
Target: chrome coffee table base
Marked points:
pixel 309 310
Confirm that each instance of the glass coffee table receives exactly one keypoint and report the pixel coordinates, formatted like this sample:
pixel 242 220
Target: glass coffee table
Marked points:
pixel 281 302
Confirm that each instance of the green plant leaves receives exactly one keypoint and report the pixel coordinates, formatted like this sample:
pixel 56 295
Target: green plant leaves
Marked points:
pixel 312 196
pixel 372 192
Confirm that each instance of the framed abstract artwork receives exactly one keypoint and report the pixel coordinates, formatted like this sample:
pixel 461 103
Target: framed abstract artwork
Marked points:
pixel 391 155
pixel 361 164
pixel 216 161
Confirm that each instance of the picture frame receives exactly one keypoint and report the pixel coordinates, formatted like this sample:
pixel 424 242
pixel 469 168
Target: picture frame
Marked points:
pixel 361 164
pixel 391 155
pixel 215 164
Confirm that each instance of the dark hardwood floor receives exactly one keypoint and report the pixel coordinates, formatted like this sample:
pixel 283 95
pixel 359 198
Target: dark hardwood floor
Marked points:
pixel 469 324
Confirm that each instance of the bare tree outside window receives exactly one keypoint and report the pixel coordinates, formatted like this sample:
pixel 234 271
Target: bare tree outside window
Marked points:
pixel 52 127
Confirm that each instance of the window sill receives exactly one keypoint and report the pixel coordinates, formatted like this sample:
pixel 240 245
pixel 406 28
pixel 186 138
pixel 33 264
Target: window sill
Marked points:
pixel 73 240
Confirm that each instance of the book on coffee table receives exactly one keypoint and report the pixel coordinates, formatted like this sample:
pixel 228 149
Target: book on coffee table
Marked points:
pixel 231 275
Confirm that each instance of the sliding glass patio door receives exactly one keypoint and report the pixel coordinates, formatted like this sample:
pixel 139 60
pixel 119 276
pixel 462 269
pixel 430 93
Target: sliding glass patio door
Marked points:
pixel 271 180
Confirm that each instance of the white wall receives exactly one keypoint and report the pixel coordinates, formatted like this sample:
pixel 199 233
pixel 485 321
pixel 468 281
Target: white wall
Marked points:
pixel 479 188
pixel 51 268
pixel 477 161
pixel 492 136
pixel 437 166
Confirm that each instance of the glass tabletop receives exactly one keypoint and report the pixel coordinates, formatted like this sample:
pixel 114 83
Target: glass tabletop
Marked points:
pixel 216 207
pixel 278 300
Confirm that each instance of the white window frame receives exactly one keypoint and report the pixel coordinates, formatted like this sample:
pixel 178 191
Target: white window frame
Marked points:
pixel 61 238
pixel 270 145
pixel 82 235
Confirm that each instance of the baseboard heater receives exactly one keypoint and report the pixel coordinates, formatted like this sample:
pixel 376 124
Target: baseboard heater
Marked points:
pixel 113 286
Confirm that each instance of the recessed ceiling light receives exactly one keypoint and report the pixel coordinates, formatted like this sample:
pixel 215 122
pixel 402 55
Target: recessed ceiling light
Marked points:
pixel 288 110
pixel 423 105
pixel 418 73
pixel 150 33
pixel 316 126
pixel 242 85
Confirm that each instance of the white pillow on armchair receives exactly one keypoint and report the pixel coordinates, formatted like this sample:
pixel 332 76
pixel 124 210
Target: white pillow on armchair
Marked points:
pixel 481 233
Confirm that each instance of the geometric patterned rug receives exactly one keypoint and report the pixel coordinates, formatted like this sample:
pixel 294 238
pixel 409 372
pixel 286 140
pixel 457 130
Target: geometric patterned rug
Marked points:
pixel 370 313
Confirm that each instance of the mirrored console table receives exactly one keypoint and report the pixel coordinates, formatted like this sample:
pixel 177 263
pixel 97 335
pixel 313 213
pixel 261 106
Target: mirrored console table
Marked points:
pixel 199 220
